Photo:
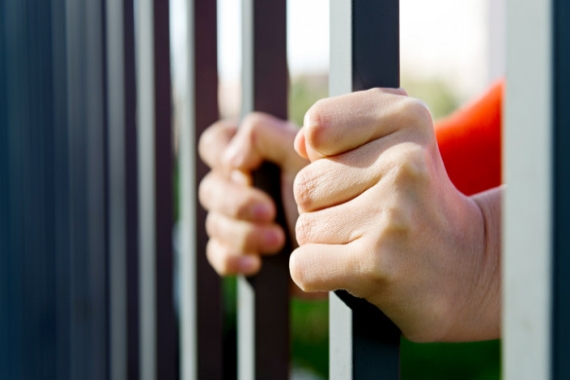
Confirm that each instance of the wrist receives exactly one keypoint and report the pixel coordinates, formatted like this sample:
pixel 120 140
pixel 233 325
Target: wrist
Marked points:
pixel 480 314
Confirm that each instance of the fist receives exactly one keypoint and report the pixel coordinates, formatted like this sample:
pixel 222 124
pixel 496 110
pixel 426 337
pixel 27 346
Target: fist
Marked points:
pixel 379 217
pixel 241 219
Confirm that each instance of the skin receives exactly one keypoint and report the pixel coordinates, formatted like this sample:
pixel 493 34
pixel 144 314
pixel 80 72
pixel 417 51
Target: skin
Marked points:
pixel 376 213
pixel 241 226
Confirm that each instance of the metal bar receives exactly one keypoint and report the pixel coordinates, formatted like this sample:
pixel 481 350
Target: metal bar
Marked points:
pixel 496 40
pixel 122 171
pixel 528 205
pixel 364 34
pixel 132 194
pixel 561 263
pixel 28 308
pixel 86 122
pixel 158 328
pixel 263 306
pixel 61 187
pixel 201 298
pixel 54 199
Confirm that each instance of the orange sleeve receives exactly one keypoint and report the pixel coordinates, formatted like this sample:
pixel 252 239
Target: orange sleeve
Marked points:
pixel 470 143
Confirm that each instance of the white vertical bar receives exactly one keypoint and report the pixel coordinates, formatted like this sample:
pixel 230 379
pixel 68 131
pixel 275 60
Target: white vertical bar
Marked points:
pixel 245 328
pixel 496 39
pixel 340 315
pixel 117 190
pixel 340 338
pixel 187 259
pixel 528 212
pixel 340 72
pixel 146 159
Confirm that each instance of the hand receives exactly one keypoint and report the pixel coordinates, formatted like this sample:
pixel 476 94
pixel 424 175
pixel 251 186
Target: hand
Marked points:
pixel 240 219
pixel 380 218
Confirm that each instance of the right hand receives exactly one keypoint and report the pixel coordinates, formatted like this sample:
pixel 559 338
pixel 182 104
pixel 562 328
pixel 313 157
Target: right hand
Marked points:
pixel 241 219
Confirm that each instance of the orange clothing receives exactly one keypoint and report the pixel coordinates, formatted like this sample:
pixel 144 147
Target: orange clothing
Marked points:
pixel 470 143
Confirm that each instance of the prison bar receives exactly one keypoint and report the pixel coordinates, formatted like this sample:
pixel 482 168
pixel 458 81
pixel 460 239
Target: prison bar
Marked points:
pixel 201 314
pixel 122 190
pixel 57 183
pixel 263 300
pixel 536 259
pixel 364 34
pixel 158 324
pixel 53 191
pixel 561 275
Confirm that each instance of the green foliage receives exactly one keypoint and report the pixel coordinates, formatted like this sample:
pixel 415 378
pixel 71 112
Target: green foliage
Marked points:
pixel 310 335
pixel 435 92
pixel 467 361
pixel 304 92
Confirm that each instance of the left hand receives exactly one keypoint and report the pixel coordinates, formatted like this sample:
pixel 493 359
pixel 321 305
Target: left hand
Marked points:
pixel 380 218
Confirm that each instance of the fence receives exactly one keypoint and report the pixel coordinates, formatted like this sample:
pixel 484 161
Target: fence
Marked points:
pixel 86 192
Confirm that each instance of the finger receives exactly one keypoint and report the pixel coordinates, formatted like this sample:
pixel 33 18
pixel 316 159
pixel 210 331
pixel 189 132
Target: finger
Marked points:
pixel 262 137
pixel 227 262
pixel 336 125
pixel 296 292
pixel 331 181
pixel 320 267
pixel 379 214
pixel 214 141
pixel 245 236
pixel 234 200
pixel 335 225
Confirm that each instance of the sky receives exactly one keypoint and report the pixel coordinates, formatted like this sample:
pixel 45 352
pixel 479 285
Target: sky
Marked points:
pixel 443 38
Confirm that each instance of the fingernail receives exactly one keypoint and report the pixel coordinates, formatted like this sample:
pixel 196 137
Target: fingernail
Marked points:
pixel 247 264
pixel 271 238
pixel 262 211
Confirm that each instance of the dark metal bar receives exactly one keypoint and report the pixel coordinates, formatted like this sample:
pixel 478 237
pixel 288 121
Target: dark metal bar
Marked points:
pixel 86 122
pixel 131 189
pixel 201 298
pixel 28 338
pixel 158 328
pixel 61 187
pixel 122 173
pixel 561 183
pixel 263 314
pixel 53 191
pixel 364 343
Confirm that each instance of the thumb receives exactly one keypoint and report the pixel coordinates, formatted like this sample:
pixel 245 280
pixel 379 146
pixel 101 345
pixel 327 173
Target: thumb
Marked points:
pixel 262 137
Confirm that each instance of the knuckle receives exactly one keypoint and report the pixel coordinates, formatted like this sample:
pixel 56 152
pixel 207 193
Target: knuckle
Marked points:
pixel 411 166
pixel 392 238
pixel 204 190
pixel 221 130
pixel 205 142
pixel 416 113
pixel 302 230
pixel 211 225
pixel 376 92
pixel 378 270
pixel 398 223
pixel 314 114
pixel 316 123
pixel 253 121
pixel 296 268
pixel 218 258
pixel 304 187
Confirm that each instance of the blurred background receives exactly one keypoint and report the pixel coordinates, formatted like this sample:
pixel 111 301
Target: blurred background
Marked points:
pixel 451 51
